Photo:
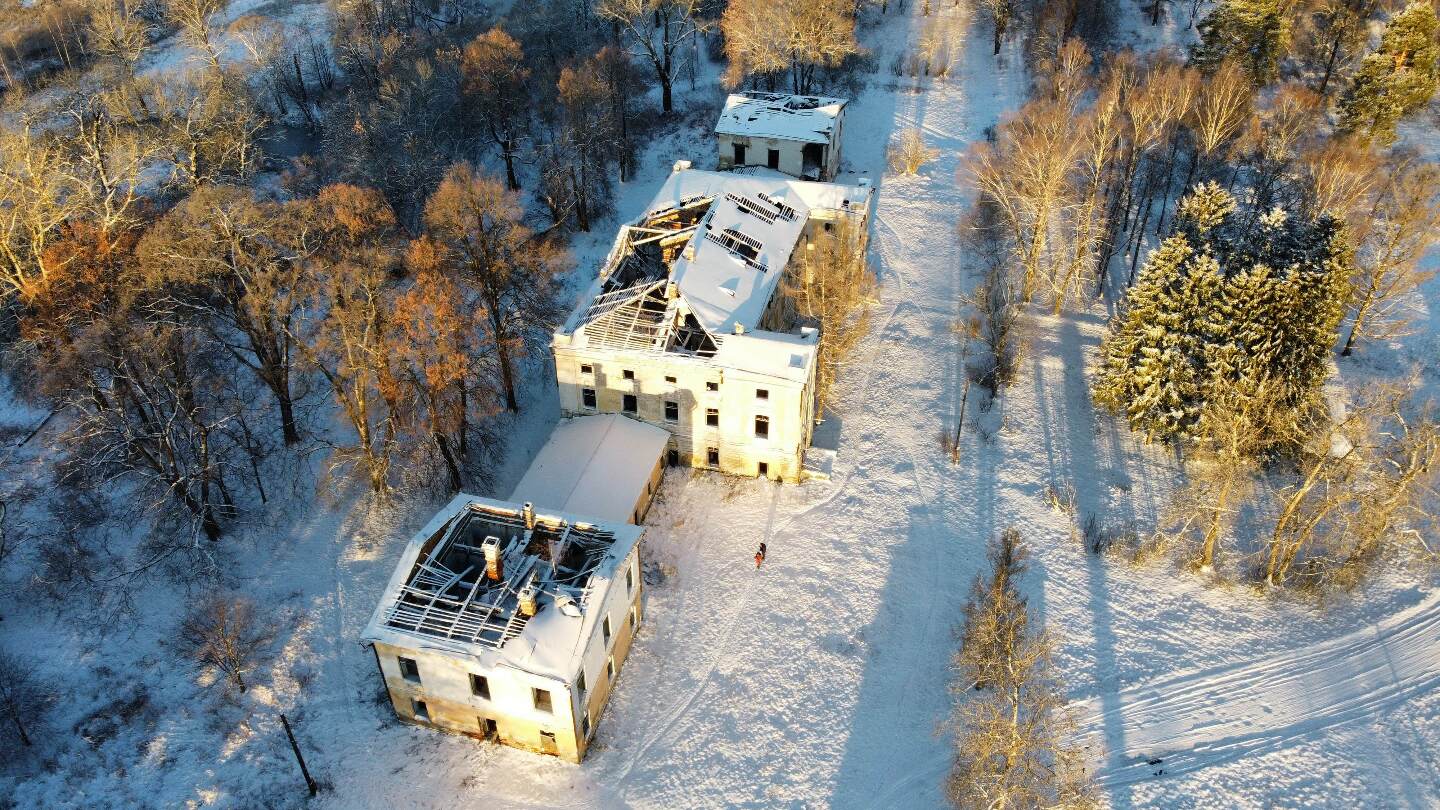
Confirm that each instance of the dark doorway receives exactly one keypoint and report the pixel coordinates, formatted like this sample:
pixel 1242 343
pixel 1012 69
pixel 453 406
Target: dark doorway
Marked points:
pixel 739 154
pixel 488 729
pixel 672 457
pixel 764 470
pixel 812 161
pixel 772 159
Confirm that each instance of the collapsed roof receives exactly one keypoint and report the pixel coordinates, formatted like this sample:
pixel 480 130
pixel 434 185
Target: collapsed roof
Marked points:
pixel 464 580
pixel 703 261
pixel 810 119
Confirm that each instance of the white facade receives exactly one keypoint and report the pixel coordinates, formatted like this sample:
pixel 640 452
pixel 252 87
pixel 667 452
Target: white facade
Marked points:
pixel 797 135
pixel 516 648
pixel 684 329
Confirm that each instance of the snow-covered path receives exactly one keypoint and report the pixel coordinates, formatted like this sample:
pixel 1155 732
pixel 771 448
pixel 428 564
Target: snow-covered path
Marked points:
pixel 1195 719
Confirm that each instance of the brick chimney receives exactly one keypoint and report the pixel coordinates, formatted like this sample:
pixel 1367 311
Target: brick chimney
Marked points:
pixel 494 566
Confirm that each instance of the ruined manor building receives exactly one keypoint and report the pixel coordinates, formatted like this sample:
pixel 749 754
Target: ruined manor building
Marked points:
pixel 687 326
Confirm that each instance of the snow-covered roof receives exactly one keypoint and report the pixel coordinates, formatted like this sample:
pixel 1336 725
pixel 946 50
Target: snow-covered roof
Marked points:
pixel 736 257
pixel 440 597
pixel 772 354
pixel 778 115
pixel 594 465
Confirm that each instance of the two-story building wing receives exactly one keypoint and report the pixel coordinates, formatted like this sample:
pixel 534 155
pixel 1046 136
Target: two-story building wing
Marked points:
pixel 687 326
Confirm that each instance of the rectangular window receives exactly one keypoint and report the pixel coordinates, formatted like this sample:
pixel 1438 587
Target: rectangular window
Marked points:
pixel 712 386
pixel 762 427
pixel 409 670
pixel 587 396
pixel 633 619
pixel 712 417
pixel 541 698
pixel 762 393
pixel 605 628
pixel 628 374
pixel 585 725
pixel 610 668
pixel 586 368
pixel 547 742
pixel 669 379
pixel 580 684
pixel 712 456
pixel 672 412
pixel 629 581
pixel 420 710
pixel 480 686
pixel 631 404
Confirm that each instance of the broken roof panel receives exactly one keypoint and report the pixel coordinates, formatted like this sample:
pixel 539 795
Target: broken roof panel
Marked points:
pixel 810 119
pixel 734 262
pixel 441 598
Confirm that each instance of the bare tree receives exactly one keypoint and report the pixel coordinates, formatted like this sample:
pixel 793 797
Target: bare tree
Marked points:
pixel 118 31
pixel 479 238
pixel 20 698
pixel 34 202
pixel 196 20
pixel 1332 459
pixel 1238 421
pixel 1012 747
pixel 1001 13
pixel 1340 176
pixel 833 285
pixel 223 632
pixel 344 333
pixel 496 86
pixel 1027 176
pixel 1219 114
pixel 787 37
pixel 1403 225
pixel 236 263
pixel 657 31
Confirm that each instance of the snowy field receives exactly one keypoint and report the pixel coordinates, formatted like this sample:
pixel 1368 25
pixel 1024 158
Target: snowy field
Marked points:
pixel 823 679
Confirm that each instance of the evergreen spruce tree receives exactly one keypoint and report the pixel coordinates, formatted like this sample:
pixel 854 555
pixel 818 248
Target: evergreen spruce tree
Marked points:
pixel 1396 80
pixel 1234 301
pixel 1255 33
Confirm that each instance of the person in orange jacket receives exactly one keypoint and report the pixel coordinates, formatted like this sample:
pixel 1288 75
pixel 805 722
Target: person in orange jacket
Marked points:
pixel 760 555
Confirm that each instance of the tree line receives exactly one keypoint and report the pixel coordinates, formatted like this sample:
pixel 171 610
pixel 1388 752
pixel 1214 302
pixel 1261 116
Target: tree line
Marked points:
pixel 1245 207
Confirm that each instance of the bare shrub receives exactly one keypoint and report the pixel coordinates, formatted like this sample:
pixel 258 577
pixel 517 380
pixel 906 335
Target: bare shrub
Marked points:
pixel 909 153
pixel 1060 498
pixel 223 632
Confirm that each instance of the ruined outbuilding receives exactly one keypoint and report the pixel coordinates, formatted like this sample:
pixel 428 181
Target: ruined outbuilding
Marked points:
pixel 797 135
pixel 509 623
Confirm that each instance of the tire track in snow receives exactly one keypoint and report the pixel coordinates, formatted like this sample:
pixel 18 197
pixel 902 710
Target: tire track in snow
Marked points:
pixel 1205 717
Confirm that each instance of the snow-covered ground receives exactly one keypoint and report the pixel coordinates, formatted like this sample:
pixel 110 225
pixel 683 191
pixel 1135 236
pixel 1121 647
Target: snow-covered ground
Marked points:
pixel 823 678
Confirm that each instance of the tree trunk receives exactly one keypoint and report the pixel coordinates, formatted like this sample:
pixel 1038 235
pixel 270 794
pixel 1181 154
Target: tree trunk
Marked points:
pixel 287 419
pixel 508 150
pixel 1334 57
pixel 1212 534
pixel 19 726
pixel 666 101
pixel 1362 311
